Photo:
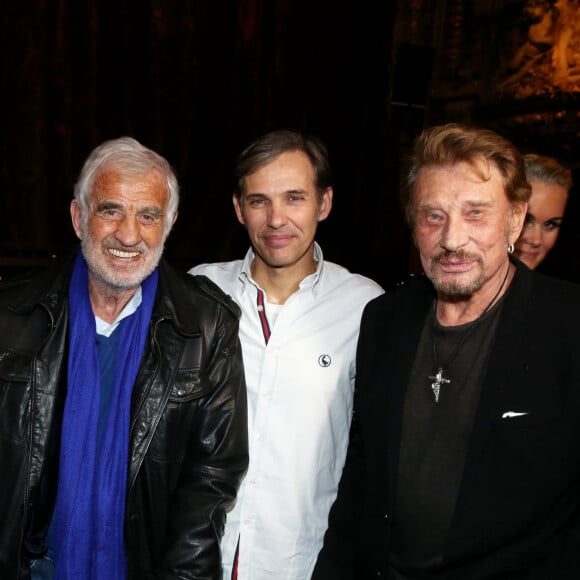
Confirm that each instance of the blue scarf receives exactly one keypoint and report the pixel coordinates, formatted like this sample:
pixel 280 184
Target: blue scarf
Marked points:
pixel 90 507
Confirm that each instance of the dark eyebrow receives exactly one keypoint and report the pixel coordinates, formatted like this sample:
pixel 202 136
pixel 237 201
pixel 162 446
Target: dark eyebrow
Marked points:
pixel 428 207
pixel 104 205
pixel 478 203
pixel 288 191
pixel 152 210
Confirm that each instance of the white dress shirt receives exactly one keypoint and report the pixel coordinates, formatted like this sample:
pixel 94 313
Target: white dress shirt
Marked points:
pixel 300 390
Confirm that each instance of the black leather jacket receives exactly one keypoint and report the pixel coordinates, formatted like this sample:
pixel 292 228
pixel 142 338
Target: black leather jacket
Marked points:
pixel 188 431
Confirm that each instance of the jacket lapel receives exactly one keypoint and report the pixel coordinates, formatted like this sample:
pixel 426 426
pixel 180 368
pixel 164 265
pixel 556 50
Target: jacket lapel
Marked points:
pixel 408 325
pixel 508 342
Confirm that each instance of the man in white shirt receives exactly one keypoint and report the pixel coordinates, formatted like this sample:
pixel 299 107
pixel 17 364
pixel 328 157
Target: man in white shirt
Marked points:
pixel 299 329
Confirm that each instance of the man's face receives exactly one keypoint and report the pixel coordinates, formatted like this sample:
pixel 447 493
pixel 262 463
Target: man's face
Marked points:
pixel 545 213
pixel 123 234
pixel 463 225
pixel 281 210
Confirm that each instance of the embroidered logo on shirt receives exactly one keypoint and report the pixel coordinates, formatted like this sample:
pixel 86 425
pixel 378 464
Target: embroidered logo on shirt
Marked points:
pixel 324 360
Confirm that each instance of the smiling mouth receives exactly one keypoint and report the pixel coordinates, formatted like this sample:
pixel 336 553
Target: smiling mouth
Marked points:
pixel 123 254
pixel 278 240
pixel 527 252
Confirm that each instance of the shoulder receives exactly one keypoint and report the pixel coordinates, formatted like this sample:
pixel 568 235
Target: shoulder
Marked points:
pixel 186 292
pixel 554 306
pixel 48 286
pixel 555 289
pixel 16 312
pixel 30 305
pixel 224 274
pixel 13 288
pixel 338 277
pixel 542 293
pixel 407 295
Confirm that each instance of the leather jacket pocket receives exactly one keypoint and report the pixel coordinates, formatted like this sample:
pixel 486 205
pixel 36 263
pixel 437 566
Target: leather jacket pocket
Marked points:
pixel 172 434
pixel 188 385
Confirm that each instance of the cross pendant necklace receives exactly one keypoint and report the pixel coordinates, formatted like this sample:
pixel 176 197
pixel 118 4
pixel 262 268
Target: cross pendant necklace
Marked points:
pixel 438 379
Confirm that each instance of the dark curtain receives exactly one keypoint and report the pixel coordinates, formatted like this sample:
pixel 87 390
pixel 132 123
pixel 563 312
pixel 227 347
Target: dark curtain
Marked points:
pixel 196 80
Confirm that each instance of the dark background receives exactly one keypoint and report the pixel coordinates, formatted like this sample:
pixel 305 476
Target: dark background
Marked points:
pixel 197 80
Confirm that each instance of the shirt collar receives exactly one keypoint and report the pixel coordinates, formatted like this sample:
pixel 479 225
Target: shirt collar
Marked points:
pixel 106 328
pixel 312 280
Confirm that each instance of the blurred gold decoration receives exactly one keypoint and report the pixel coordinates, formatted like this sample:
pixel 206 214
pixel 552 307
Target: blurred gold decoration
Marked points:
pixel 548 61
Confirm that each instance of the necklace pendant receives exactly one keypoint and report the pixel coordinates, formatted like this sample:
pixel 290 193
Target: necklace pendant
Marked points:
pixel 438 380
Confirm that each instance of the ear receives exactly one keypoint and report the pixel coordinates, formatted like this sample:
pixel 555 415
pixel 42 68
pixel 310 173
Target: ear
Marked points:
pixel 325 204
pixel 75 214
pixel 238 208
pixel 516 220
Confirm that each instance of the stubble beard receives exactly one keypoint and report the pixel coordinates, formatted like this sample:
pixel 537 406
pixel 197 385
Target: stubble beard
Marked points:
pixel 456 290
pixel 92 253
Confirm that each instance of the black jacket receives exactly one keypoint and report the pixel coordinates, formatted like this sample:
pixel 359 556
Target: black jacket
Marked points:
pixel 518 511
pixel 188 430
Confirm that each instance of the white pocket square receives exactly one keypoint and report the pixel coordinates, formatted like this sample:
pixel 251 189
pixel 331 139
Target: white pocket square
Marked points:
pixel 511 414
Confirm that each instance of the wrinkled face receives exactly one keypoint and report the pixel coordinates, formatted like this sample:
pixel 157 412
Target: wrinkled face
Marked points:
pixel 123 234
pixel 281 210
pixel 463 225
pixel 542 226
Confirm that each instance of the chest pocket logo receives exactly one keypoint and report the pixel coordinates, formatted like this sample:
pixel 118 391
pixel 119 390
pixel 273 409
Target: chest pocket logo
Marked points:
pixel 324 360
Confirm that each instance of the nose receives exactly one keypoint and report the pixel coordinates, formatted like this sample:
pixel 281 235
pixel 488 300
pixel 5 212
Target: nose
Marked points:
pixel 276 215
pixel 532 234
pixel 454 235
pixel 127 231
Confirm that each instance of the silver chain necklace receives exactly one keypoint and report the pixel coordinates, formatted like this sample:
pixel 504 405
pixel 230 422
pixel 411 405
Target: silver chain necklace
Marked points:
pixel 438 379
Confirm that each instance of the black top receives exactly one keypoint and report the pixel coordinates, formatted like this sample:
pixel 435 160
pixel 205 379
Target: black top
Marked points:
pixel 435 436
